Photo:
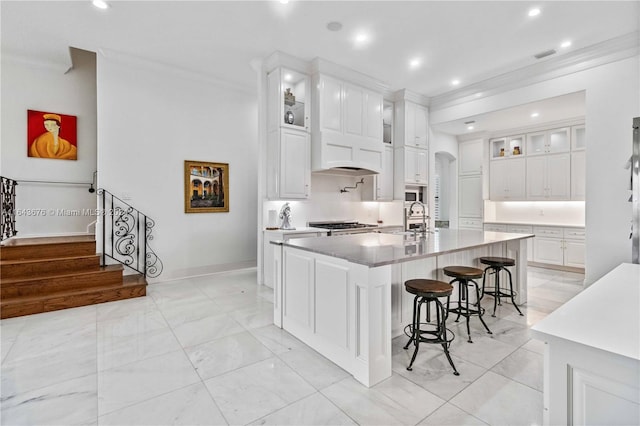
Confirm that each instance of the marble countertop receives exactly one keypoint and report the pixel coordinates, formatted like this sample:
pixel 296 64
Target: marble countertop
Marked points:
pixel 604 316
pixel 378 249
pixel 555 225
pixel 298 230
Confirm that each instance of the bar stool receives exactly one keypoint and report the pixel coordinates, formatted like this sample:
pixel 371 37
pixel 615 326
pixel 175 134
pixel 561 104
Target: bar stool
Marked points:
pixel 497 264
pixel 465 276
pixel 427 292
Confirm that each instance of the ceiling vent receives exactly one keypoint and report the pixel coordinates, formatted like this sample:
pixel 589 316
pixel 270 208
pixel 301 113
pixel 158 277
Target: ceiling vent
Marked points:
pixel 544 54
pixel 469 122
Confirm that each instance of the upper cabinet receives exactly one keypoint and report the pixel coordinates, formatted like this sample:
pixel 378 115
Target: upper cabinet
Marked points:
pixel 416 125
pixel 288 140
pixel 349 130
pixel 507 147
pixel 578 138
pixel 549 142
pixel 470 154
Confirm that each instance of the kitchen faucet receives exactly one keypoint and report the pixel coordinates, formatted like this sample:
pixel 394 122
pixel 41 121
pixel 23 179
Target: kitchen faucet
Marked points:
pixel 423 229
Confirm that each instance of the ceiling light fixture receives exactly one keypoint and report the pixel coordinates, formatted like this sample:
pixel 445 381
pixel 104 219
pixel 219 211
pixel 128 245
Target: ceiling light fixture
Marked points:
pixel 284 1
pixel 470 127
pixel 414 63
pixel 455 82
pixel 334 26
pixel 534 115
pixel 534 12
pixel 100 4
pixel 287 77
pixel 478 94
pixel 565 44
pixel 361 38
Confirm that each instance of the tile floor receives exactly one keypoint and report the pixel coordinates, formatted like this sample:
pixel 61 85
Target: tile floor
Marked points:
pixel 203 351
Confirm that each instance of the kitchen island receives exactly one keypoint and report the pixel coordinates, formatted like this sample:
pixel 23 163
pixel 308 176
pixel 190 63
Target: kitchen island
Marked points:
pixel 344 295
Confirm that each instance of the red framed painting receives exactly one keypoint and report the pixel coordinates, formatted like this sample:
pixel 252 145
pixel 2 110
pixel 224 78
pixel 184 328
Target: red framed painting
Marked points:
pixel 52 135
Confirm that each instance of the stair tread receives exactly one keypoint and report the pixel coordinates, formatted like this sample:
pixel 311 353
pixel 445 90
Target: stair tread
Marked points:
pixel 44 259
pixel 17 242
pixel 27 299
pixel 108 268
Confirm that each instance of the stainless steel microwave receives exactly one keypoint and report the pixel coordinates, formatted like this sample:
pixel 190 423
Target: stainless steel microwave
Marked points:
pixel 411 195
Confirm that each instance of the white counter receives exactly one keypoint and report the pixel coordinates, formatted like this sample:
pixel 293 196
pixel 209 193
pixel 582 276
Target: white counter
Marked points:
pixel 592 357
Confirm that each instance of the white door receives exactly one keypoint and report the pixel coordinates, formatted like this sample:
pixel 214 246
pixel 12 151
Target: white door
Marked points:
pixel 497 179
pixel 384 180
pixel 574 253
pixel 548 250
pixel 515 179
pixel 558 140
pixel 422 127
pixel 353 110
pixel 422 165
pixel 470 193
pixel 470 153
pixel 578 175
pixel 330 104
pixel 536 178
pixel 295 169
pixel 558 176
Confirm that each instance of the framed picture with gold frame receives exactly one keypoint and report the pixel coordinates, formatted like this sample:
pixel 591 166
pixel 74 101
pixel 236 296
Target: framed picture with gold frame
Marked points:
pixel 206 187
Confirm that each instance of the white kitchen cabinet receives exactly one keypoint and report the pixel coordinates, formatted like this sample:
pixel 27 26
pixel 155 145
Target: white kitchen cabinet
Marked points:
pixel 549 141
pixel 416 125
pixel 507 180
pixel 470 223
pixel 470 196
pixel 506 147
pixel 578 138
pixel 470 157
pixel 380 187
pixel 416 165
pixel 574 253
pixel 548 250
pixel 578 175
pixel 524 229
pixel 349 125
pixel 559 246
pixel 268 264
pixel 288 140
pixel 548 177
pixel 495 227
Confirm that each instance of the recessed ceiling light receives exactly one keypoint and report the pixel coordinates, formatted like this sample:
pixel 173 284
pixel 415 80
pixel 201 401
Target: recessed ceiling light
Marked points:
pixel 455 82
pixel 565 44
pixel 284 1
pixel 534 12
pixel 414 63
pixel 534 115
pixel 334 26
pixel 361 37
pixel 100 4
pixel 470 127
pixel 478 94
pixel 287 77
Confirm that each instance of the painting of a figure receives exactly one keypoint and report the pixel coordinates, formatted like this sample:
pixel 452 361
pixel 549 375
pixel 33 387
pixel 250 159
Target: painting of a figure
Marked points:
pixel 51 135
pixel 206 187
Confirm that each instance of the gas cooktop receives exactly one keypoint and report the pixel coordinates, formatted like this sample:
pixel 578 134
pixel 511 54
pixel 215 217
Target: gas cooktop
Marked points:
pixel 341 225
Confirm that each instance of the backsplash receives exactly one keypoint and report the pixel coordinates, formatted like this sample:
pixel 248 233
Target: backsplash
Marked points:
pixel 543 212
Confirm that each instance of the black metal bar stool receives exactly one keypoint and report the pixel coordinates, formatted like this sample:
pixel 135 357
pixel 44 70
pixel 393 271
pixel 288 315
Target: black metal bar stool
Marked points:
pixel 427 292
pixel 497 264
pixel 465 276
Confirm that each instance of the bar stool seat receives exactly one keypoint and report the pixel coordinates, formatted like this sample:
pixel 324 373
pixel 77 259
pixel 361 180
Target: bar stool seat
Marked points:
pixel 427 292
pixel 495 265
pixel 465 276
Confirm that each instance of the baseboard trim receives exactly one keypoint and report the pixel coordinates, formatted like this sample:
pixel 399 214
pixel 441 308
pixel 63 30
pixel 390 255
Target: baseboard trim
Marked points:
pixel 180 274
pixel 557 267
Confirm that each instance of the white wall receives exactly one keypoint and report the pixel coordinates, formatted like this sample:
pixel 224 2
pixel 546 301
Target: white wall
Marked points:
pixel 612 100
pixel 45 87
pixel 152 119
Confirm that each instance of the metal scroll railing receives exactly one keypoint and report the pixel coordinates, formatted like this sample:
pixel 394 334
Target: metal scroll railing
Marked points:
pixel 126 233
pixel 8 197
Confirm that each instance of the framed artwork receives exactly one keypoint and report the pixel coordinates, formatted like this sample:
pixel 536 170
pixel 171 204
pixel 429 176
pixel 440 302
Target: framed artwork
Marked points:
pixel 52 135
pixel 206 187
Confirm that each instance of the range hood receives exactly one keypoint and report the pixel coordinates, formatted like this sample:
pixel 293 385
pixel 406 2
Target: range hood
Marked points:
pixel 346 171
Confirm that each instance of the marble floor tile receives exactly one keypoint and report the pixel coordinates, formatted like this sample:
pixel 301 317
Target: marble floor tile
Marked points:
pixel 114 351
pixel 132 383
pixel 122 308
pixel 51 322
pixel 535 345
pixel 380 405
pixel 276 339
pixel 497 400
pixel 241 301
pixel 206 329
pixel 313 410
pixel 11 327
pixel 531 316
pixel 197 309
pixel 167 303
pixel 313 367
pixel 71 402
pixel 450 415
pixel 249 393
pixel 508 332
pixel 5 346
pixel 134 324
pixel 484 351
pixel 23 374
pixel 553 294
pixel 523 366
pixel 226 354
pixel 431 371
pixel 254 317
pixel 189 406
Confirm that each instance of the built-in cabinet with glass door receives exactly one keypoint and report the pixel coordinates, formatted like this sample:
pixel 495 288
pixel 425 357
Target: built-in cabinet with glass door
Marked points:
pixel 380 187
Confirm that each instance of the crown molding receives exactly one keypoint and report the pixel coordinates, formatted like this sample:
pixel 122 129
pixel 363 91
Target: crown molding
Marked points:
pixel 574 121
pixel 608 51
pixel 482 134
pixel 281 59
pixel 29 61
pixel 184 74
pixel 407 95
pixel 319 65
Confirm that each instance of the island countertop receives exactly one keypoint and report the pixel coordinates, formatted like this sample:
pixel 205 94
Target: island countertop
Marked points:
pixel 373 249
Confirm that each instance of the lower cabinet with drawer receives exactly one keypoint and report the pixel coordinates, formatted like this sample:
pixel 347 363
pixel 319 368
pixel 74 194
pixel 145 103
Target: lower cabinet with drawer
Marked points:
pixel 559 246
pixel 470 223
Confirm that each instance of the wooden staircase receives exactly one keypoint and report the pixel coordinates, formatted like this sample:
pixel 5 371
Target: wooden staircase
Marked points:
pixel 48 274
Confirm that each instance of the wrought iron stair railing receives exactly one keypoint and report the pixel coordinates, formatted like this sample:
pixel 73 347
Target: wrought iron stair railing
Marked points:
pixel 126 233
pixel 8 197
